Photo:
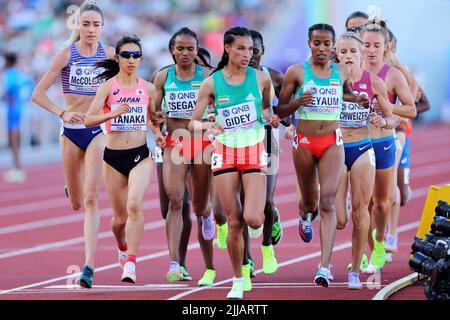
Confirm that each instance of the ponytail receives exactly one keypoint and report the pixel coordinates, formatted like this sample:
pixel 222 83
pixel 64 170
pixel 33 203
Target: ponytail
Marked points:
pixel 228 38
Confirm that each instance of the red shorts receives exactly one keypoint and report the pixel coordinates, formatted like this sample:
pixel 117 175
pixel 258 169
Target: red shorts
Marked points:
pixel 317 146
pixel 188 148
pixel 243 160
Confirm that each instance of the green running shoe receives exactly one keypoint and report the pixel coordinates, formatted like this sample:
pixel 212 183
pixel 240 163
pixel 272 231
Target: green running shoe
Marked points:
pixel 222 234
pixel 246 275
pixel 208 278
pixel 277 229
pixel 252 268
pixel 270 264
pixel 186 276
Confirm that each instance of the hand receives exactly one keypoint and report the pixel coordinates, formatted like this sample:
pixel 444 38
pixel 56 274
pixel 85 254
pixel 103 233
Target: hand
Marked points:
pixel 122 109
pixel 274 121
pixel 73 117
pixel 158 118
pixel 333 57
pixel 215 129
pixel 160 139
pixel 377 120
pixel 363 101
pixel 289 132
pixel 306 98
pixel 418 95
pixel 401 122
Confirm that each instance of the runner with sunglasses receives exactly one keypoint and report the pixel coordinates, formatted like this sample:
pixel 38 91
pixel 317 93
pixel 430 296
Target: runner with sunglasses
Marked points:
pixel 126 103
pixel 81 147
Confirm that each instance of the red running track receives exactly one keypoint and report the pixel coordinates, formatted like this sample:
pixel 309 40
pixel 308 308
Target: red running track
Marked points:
pixel 41 243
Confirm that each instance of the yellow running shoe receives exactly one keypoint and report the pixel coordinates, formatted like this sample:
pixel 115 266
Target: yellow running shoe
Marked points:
pixel 208 278
pixel 222 234
pixel 246 275
pixel 270 264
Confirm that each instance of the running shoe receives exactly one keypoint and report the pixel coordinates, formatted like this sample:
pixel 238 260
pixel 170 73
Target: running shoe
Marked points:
pixel 353 281
pixel 222 234
pixel 129 272
pixel 122 257
pixel 252 268
pixel 86 278
pixel 323 276
pixel 305 229
pixel 174 273
pixel 391 244
pixel 364 263
pixel 255 233
pixel 378 256
pixel 246 274
pixel 237 290
pixel 270 264
pixel 277 229
pixel 208 227
pixel 186 276
pixel 208 278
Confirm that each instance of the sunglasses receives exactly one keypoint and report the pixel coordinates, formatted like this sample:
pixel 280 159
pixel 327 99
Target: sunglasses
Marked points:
pixel 129 54
pixel 356 29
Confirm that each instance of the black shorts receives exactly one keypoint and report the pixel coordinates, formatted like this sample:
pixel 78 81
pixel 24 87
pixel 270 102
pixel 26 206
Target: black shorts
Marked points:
pixel 125 160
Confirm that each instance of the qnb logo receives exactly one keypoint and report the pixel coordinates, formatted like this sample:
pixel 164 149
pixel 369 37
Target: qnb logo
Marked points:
pixel 172 96
pixel 313 90
pixel 226 113
pixel 79 72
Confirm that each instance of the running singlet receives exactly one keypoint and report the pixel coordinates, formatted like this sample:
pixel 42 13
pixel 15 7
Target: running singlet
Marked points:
pixel 77 77
pixel 327 95
pixel 382 74
pixel 238 110
pixel 137 99
pixel 353 115
pixel 181 96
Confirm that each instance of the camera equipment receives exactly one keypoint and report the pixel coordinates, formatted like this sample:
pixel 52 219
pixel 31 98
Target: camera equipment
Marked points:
pixel 436 251
pixel 443 209
pixel 440 226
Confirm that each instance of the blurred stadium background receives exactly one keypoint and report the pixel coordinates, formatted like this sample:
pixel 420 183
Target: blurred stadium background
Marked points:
pixel 37 29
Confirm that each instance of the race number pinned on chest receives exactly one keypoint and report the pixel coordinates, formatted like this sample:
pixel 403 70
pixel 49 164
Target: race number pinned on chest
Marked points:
pixel 134 120
pixel 238 117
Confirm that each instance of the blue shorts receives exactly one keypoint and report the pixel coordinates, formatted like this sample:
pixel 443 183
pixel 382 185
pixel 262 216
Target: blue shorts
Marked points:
pixel 13 118
pixel 385 149
pixel 82 137
pixel 405 160
pixel 355 150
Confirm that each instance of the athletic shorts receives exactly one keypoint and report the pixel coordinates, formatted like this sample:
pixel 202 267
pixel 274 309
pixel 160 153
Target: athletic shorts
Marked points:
pixel 188 148
pixel 80 135
pixel 355 150
pixel 125 160
pixel 317 146
pixel 13 118
pixel 384 152
pixel 405 160
pixel 243 160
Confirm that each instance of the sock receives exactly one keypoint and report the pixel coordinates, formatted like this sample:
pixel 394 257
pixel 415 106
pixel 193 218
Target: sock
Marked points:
pixel 238 279
pixel 122 247
pixel 131 258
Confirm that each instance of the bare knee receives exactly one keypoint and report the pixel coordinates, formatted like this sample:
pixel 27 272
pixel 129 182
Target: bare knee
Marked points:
pixel 90 199
pixel 175 202
pixel 235 226
pixel 134 208
pixel 118 222
pixel 327 204
pixel 256 221
pixel 381 205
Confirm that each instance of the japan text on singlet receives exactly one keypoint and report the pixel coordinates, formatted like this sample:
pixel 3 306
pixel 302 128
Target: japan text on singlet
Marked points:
pixel 137 98
pixel 353 115
pixel 238 110
pixel 78 76
pixel 327 95
pixel 180 96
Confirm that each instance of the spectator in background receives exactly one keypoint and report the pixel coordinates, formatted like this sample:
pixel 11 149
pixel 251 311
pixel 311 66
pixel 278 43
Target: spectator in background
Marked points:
pixel 18 88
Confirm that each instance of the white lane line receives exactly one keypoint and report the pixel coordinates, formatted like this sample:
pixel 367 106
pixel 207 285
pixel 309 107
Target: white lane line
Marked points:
pixel 316 254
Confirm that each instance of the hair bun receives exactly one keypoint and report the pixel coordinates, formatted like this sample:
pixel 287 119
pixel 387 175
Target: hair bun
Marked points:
pixel 374 13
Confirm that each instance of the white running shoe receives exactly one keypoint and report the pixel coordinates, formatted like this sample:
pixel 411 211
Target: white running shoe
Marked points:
pixel 323 277
pixel 353 281
pixel 129 272
pixel 237 290
pixel 208 227
pixel 391 244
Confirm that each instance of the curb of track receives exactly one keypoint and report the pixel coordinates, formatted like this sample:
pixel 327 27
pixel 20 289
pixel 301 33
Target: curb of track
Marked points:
pixel 398 285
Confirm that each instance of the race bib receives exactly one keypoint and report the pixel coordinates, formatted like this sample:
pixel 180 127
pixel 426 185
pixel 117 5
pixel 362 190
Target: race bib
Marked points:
pixel 181 104
pixel 339 137
pixel 216 161
pixel 354 116
pixel 326 99
pixel 134 120
pixel 238 118
pixel 81 78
